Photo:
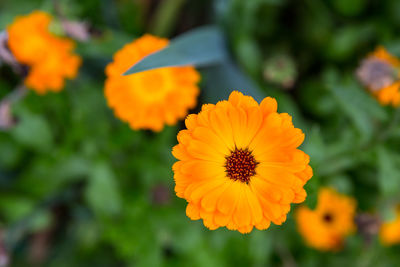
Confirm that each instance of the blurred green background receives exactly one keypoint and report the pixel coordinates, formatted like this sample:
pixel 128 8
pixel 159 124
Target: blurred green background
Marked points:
pixel 79 188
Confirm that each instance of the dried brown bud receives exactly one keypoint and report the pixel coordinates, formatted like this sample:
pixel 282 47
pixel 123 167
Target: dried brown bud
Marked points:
pixel 76 30
pixel 39 247
pixel 7 121
pixel 6 56
pixel 4 256
pixel 160 194
pixel 280 69
pixel 376 74
pixel 368 226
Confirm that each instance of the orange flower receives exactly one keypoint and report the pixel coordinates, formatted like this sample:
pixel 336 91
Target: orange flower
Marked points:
pixel 152 98
pixel 239 165
pixel 379 72
pixel 333 219
pixel 49 58
pixel 381 53
pixel 389 95
pixel 28 37
pixel 390 231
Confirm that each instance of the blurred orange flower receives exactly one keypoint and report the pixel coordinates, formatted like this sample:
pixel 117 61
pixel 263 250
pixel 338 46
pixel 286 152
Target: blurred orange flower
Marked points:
pixel 49 58
pixel 382 54
pixel 389 95
pixel 239 165
pixel 390 231
pixel 333 219
pixel 379 72
pixel 153 98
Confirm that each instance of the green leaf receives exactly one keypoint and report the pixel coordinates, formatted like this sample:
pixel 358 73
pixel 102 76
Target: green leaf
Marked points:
pixel 102 192
pixel 200 47
pixel 260 248
pixel 362 109
pixel 10 153
pixel 389 173
pixel 40 220
pixel 349 8
pixel 32 131
pixel 220 80
pixel 337 164
pixel 166 16
pixel 249 54
pixel 342 183
pixel 315 146
pixel 71 168
pixel 14 207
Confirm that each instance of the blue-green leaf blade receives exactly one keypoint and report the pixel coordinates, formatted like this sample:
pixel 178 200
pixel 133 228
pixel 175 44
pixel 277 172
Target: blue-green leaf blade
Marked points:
pixel 200 47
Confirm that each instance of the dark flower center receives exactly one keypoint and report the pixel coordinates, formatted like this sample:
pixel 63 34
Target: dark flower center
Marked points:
pixel 241 165
pixel 328 218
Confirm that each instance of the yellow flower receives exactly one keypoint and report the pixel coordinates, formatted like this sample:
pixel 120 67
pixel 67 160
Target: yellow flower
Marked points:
pixel 390 231
pixel 379 72
pixel 49 58
pixel 153 98
pixel 333 219
pixel 239 164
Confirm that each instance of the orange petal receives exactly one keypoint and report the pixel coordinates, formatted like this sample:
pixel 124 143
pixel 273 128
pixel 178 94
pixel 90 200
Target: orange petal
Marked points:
pixel 192 211
pixel 242 215
pixel 238 119
pixel 268 106
pixel 207 135
pixel 221 219
pixel 209 202
pixel 263 224
pixel 191 121
pixel 201 189
pixel 254 204
pixel 220 124
pixel 228 200
pixel 204 151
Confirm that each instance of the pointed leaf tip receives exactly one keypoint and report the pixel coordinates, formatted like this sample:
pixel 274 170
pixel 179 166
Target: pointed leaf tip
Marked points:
pixel 199 47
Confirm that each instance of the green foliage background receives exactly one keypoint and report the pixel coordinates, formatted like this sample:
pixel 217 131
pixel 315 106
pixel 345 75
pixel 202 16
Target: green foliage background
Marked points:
pixel 100 194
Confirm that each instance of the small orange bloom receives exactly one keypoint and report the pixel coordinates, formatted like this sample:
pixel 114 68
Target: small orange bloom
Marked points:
pixel 390 231
pixel 153 98
pixel 379 72
pixel 239 164
pixel 382 54
pixel 333 219
pixel 389 95
pixel 49 58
